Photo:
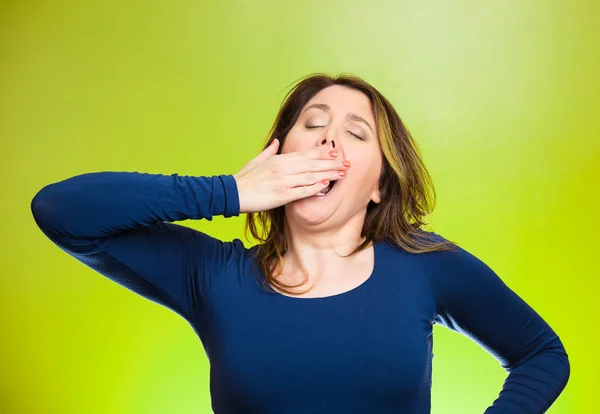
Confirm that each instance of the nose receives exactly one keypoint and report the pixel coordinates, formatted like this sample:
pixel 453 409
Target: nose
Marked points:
pixel 324 142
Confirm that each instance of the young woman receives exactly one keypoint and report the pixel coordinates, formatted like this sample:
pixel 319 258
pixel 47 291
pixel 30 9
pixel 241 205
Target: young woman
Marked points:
pixel 333 310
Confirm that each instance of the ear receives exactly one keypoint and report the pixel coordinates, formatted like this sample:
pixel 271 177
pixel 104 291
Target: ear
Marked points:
pixel 376 195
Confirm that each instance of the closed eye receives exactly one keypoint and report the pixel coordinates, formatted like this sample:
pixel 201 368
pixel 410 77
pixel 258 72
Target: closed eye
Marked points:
pixel 319 126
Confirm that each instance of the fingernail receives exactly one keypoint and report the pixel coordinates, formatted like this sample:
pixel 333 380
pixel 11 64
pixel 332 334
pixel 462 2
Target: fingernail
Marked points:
pixel 346 163
pixel 325 182
pixel 333 153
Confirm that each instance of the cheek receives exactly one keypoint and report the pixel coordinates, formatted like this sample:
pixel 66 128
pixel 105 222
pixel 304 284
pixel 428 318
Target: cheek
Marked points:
pixel 367 172
pixel 293 144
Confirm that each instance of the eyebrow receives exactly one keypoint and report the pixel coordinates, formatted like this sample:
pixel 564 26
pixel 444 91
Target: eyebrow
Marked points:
pixel 350 115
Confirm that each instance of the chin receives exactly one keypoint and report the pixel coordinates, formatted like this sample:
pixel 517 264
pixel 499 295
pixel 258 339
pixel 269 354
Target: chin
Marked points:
pixel 309 211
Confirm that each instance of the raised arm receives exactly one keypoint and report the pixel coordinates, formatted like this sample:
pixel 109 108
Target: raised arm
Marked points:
pixel 119 224
pixel 474 301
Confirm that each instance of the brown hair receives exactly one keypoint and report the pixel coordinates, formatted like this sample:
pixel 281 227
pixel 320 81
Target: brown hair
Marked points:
pixel 407 192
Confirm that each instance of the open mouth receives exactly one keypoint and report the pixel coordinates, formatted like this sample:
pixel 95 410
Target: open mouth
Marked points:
pixel 326 189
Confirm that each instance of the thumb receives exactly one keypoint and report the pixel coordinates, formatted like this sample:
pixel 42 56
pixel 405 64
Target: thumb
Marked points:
pixel 267 152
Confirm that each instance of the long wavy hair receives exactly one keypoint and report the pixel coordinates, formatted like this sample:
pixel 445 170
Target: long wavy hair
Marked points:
pixel 407 191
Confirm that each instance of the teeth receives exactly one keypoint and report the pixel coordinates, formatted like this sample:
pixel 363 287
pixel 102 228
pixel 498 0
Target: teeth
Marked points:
pixel 322 193
pixel 326 190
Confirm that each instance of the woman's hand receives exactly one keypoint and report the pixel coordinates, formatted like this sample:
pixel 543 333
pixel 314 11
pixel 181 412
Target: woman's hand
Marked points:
pixel 271 180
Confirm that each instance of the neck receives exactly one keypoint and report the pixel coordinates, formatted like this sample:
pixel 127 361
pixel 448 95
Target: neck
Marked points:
pixel 321 252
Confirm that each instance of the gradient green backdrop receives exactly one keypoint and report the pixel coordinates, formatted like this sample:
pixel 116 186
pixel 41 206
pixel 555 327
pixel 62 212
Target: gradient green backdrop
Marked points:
pixel 501 97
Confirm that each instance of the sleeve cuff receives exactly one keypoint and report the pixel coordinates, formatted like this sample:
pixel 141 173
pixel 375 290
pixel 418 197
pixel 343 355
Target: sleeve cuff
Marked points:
pixel 232 200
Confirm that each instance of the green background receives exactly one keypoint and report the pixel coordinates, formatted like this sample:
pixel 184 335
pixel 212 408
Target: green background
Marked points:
pixel 502 98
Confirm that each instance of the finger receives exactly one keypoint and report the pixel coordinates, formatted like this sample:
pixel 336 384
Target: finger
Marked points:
pixel 297 193
pixel 317 165
pixel 315 159
pixel 325 165
pixel 324 152
pixel 311 178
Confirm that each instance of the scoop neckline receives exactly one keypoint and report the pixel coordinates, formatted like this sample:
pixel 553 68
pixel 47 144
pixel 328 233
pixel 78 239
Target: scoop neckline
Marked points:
pixel 341 295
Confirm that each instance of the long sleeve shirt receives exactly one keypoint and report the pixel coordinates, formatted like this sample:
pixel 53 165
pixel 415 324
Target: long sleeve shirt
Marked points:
pixel 367 350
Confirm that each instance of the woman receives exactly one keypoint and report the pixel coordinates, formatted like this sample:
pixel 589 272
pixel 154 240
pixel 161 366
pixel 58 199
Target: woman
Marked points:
pixel 337 201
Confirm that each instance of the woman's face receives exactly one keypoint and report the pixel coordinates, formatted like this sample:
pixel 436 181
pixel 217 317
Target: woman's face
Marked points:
pixel 336 118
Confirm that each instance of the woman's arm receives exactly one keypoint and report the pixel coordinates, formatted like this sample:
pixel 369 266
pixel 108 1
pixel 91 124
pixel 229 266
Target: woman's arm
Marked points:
pixel 118 223
pixel 474 301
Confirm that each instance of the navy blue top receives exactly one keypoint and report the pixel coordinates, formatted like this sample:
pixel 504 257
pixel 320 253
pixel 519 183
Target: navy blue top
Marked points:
pixel 367 350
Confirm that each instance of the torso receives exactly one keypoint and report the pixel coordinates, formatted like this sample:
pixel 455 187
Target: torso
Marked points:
pixel 366 350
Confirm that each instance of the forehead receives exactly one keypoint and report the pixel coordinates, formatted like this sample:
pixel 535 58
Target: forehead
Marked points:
pixel 343 99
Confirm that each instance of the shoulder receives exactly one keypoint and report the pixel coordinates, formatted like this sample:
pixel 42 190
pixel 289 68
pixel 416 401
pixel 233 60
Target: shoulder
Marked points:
pixel 448 268
pixel 428 246
pixel 459 279
pixel 451 261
